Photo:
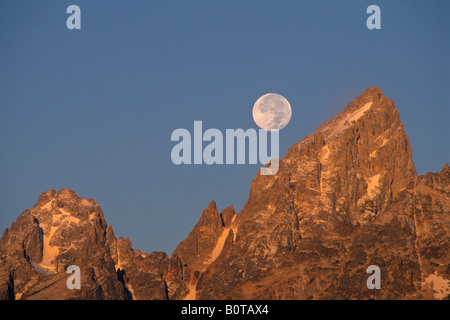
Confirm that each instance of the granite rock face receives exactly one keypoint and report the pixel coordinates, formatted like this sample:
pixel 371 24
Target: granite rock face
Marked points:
pixel 201 248
pixel 345 197
pixel 142 274
pixel 62 229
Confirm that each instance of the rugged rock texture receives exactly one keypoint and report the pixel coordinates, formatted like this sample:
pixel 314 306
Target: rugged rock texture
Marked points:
pixel 431 203
pixel 345 197
pixel 62 229
pixel 201 248
pixel 142 274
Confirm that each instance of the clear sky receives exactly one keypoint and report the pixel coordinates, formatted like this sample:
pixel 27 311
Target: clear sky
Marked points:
pixel 93 109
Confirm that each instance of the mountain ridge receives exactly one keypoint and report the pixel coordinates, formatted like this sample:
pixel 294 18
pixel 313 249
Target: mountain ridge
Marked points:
pixel 346 196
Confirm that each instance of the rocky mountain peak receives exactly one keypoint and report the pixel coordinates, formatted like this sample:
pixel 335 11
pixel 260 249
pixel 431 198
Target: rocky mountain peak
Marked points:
pixel 67 193
pixel 228 215
pixel 354 165
pixel 210 215
pixel 46 197
pixel 202 239
pixel 62 229
pixel 341 179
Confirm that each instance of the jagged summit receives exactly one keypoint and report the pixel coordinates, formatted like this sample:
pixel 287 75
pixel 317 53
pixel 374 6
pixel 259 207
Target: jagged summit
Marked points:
pixel 342 179
pixel 371 106
pixel 228 215
pixel 355 164
pixel 345 197
pixel 63 229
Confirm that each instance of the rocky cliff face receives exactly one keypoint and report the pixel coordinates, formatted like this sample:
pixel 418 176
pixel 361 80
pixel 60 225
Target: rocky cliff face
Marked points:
pixel 63 229
pixel 342 200
pixel 345 197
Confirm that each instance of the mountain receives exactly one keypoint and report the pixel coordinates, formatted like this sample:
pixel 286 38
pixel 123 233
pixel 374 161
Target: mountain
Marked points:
pixel 345 197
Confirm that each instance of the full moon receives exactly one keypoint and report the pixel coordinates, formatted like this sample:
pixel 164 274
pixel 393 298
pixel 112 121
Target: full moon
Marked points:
pixel 272 112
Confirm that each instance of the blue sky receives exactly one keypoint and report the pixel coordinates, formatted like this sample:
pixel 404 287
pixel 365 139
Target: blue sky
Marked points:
pixel 93 109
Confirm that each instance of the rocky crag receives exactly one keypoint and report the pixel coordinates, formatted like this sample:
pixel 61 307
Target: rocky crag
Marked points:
pixel 345 197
